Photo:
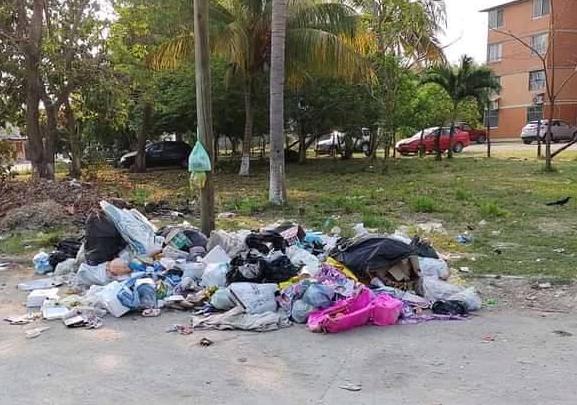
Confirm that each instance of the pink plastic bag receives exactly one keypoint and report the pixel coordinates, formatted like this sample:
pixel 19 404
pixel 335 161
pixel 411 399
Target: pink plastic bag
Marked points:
pixel 343 315
pixel 386 310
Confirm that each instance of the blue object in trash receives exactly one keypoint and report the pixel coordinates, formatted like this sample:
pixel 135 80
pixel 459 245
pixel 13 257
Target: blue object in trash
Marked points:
pixel 42 263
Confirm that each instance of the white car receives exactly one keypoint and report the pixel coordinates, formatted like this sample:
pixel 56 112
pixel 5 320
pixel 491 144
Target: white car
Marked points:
pixel 560 131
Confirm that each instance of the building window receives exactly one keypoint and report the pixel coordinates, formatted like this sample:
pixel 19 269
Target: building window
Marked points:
pixel 496 18
pixel 534 113
pixel 492 116
pixel 537 80
pixel 494 52
pixel 541 8
pixel 540 43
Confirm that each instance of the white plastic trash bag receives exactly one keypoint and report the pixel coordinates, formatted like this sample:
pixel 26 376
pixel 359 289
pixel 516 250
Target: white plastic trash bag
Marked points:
pixel 255 298
pixel 92 275
pixel 300 257
pixel 434 268
pixel 436 289
pixel 231 242
pixel 135 229
pixel 109 297
pixel 470 297
pixel 214 275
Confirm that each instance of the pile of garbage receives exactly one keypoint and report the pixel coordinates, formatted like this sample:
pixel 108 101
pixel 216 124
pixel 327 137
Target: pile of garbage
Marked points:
pixel 41 203
pixel 246 280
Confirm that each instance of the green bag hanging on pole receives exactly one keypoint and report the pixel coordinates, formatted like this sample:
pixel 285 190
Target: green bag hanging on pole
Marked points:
pixel 198 165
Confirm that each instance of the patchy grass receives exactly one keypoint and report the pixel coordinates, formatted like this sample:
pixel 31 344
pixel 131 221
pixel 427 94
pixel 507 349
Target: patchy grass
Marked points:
pixel 29 242
pixel 521 235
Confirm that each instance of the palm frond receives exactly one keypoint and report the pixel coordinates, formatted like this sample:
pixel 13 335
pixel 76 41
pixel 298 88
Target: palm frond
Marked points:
pixel 318 51
pixel 172 53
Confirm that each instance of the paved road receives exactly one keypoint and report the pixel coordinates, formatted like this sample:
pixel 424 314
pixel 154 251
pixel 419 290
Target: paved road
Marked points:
pixel 503 357
pixel 512 146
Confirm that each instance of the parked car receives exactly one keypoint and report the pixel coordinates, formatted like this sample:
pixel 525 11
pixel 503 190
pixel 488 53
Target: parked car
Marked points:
pixel 475 134
pixel 411 145
pixel 334 143
pixel 560 131
pixel 166 153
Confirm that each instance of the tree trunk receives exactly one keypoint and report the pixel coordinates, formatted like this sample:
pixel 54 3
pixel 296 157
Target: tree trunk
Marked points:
pixel 74 139
pixel 451 140
pixel 32 56
pixel 302 144
pixel 248 127
pixel 488 137
pixel 140 161
pixel 439 156
pixel 50 135
pixel 204 109
pixel 548 138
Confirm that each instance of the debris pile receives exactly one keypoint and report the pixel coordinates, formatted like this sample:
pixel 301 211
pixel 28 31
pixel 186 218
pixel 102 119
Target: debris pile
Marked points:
pixel 259 280
pixel 40 203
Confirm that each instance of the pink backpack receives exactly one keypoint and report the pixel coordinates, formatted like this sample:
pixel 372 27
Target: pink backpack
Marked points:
pixel 356 311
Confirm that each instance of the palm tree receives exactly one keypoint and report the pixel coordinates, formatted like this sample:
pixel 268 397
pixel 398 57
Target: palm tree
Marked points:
pixel 462 82
pixel 319 38
pixel 277 187
pixel 406 29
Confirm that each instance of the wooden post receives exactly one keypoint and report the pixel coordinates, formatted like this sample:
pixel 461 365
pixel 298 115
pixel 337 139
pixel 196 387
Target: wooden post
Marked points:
pixel 204 108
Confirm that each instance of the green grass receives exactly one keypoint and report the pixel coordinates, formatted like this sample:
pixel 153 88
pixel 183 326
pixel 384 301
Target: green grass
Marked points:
pixel 509 194
pixel 29 242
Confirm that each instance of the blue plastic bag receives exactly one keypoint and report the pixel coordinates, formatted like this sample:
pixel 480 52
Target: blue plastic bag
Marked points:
pixel 42 263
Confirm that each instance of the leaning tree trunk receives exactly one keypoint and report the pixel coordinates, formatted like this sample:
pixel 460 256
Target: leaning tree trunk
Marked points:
pixel 74 140
pixel 50 135
pixel 140 161
pixel 32 91
pixel 302 144
pixel 438 144
pixel 548 138
pixel 248 127
pixel 277 189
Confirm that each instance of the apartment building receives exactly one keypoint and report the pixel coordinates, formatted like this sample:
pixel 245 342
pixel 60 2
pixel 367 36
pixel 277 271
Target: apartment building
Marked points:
pixel 549 27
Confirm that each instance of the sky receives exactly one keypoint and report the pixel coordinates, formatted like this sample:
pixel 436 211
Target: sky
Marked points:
pixel 466 31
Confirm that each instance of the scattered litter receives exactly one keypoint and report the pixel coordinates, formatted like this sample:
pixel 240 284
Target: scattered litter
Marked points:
pixel 205 342
pixel 34 333
pixel 351 387
pixel 151 312
pixel 181 329
pixel 37 297
pixel 464 269
pixel 560 250
pixel 464 239
pixel 39 284
pixel 544 286
pixel 562 333
pixel 226 215
pixel 21 319
pixel 488 339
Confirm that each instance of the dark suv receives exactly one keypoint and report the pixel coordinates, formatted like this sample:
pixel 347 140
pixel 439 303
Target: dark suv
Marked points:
pixel 166 153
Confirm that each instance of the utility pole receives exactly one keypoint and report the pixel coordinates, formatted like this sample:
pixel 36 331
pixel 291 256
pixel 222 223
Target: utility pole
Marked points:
pixel 204 109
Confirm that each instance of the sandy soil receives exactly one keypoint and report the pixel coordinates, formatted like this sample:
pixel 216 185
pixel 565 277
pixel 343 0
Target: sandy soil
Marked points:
pixel 510 353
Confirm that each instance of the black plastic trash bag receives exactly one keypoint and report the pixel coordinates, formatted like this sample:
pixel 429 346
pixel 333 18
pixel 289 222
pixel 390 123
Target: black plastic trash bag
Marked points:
pixel 368 254
pixel 266 241
pixel 103 241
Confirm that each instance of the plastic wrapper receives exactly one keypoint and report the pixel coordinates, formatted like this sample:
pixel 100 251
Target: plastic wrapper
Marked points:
pixel 255 298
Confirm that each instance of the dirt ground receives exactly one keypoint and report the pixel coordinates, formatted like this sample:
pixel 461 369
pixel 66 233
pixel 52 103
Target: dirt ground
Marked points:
pixel 508 354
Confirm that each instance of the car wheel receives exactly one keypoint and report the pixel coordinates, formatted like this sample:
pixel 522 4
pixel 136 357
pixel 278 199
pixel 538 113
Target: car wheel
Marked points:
pixel 458 147
pixel 481 139
pixel 527 141
pixel 366 148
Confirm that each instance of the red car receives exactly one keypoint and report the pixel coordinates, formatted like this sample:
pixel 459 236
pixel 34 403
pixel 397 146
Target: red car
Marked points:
pixel 412 144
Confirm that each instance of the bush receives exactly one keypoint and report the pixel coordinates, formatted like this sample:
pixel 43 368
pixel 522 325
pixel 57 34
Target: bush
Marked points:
pixel 7 157
pixel 492 209
pixel 424 203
